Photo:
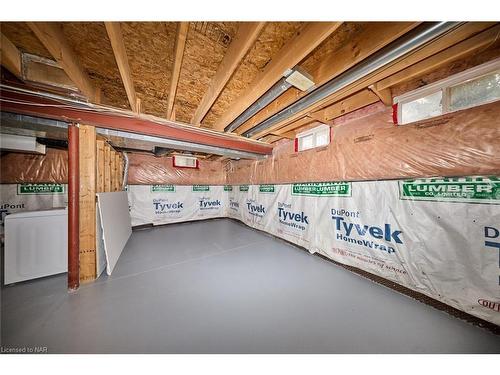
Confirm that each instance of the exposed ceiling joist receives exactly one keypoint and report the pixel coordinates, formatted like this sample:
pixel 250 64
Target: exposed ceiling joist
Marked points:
pixel 11 57
pixel 116 38
pixel 289 135
pixel 52 37
pixel 295 125
pixel 245 38
pixel 455 52
pixel 270 138
pixel 455 36
pixel 343 107
pixel 309 37
pixel 374 36
pixel 180 44
pixel 384 95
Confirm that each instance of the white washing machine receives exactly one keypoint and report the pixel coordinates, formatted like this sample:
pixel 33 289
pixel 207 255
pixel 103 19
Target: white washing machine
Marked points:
pixel 36 244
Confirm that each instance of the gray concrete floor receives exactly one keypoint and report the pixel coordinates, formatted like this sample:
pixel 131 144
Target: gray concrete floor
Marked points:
pixel 220 287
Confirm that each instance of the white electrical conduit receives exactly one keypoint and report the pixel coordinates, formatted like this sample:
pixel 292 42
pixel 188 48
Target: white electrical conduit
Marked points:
pixel 125 170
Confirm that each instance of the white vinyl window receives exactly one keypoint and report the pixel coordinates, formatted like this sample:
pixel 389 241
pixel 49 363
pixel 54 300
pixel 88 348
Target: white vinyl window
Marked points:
pixel 470 88
pixel 315 137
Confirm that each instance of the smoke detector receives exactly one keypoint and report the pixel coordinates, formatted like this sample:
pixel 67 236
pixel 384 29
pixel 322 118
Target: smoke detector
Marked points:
pixel 299 78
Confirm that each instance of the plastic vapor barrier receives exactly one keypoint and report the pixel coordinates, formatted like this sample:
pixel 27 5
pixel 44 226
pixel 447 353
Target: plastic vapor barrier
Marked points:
pixel 439 236
pixel 373 148
pixel 147 169
pixel 32 168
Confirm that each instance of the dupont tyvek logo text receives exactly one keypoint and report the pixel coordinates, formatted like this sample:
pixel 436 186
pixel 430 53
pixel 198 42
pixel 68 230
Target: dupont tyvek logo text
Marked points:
pixel 492 240
pixel 294 219
pixel 256 209
pixel 209 204
pixel 365 235
pixel 5 207
pixel 234 205
pixel 12 206
pixel 164 206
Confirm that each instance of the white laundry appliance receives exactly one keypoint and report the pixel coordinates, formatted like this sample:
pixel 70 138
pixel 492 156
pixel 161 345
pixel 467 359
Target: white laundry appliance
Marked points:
pixel 36 244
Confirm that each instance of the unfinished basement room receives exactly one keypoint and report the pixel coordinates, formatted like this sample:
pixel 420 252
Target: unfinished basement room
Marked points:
pixel 250 187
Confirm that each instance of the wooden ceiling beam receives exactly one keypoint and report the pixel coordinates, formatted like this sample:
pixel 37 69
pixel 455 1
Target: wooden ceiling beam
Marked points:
pixel 374 36
pixel 289 135
pixel 294 125
pixel 307 39
pixel 11 57
pixel 245 38
pixel 453 53
pixel 328 114
pixel 459 34
pixel 343 107
pixel 384 95
pixel 180 44
pixel 271 138
pixel 116 38
pixel 52 37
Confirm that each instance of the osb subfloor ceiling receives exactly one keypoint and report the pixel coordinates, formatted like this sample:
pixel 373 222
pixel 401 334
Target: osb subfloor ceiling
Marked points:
pixel 150 49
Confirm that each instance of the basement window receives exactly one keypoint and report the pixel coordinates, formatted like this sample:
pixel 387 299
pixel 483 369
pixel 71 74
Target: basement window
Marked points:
pixel 312 138
pixel 182 161
pixel 470 88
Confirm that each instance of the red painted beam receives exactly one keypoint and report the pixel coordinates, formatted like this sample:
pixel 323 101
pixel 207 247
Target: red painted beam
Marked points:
pixel 33 105
pixel 73 209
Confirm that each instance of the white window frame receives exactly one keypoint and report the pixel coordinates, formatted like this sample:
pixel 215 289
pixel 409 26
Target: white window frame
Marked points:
pixel 445 85
pixel 314 131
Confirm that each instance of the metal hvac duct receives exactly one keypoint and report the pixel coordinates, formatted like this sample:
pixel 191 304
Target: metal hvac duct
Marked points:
pixel 406 44
pixel 278 88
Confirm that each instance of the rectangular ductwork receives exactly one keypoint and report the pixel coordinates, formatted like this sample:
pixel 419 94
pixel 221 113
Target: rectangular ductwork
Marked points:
pixel 17 143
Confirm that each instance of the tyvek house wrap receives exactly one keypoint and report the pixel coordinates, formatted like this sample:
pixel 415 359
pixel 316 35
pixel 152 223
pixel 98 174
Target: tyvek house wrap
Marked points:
pixel 440 237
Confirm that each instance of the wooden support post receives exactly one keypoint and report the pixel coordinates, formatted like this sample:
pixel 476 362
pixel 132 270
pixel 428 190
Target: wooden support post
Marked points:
pixel 88 270
pixel 73 210
pixel 100 166
pixel 107 168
